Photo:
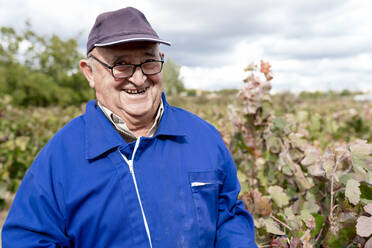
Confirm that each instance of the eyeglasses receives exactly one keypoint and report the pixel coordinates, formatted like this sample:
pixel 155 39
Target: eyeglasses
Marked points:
pixel 120 70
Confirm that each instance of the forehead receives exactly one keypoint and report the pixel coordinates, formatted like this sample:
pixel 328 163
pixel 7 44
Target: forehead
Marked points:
pixel 133 49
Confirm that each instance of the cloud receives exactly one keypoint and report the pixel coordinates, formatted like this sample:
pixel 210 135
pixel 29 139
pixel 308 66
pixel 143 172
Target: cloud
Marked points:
pixel 210 78
pixel 311 44
pixel 317 48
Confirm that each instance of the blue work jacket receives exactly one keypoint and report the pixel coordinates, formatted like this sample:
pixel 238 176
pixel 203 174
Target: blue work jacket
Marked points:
pixel 89 188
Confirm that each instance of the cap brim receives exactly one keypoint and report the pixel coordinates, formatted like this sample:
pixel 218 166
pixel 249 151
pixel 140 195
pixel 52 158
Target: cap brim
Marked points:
pixel 127 40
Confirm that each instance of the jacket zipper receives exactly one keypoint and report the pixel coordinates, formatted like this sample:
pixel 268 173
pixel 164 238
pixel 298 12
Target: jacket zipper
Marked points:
pixel 131 169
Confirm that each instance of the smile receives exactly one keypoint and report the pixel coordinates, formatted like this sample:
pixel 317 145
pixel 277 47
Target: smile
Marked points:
pixel 136 91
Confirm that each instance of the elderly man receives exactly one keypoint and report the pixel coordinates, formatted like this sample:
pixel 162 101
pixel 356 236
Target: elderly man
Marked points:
pixel 132 171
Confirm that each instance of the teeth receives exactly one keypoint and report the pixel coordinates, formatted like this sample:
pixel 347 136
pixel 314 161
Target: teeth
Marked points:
pixel 140 91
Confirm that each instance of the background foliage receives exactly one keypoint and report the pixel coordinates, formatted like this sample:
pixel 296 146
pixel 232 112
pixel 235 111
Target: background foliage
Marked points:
pixel 40 70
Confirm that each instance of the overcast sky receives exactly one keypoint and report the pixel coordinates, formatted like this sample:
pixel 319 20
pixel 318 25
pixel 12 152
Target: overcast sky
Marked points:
pixel 312 45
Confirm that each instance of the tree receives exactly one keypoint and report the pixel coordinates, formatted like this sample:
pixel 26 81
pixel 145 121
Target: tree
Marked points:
pixel 41 70
pixel 172 82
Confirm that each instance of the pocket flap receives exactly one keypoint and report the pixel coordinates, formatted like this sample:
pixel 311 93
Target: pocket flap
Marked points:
pixel 201 178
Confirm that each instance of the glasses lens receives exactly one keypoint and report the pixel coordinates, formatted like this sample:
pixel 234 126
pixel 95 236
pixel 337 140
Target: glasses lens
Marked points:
pixel 148 68
pixel 122 71
pixel 151 67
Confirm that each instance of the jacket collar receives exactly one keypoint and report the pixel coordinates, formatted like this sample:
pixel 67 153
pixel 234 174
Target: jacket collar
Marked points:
pixel 101 136
pixel 169 125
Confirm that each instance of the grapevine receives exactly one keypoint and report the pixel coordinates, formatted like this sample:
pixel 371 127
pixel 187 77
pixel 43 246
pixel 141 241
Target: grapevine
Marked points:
pixel 299 194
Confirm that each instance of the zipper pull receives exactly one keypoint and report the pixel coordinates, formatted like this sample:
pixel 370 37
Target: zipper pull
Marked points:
pixel 130 164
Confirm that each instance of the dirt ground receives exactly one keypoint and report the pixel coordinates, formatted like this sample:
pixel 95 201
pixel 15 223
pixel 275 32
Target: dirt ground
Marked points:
pixel 3 215
pixel 4 212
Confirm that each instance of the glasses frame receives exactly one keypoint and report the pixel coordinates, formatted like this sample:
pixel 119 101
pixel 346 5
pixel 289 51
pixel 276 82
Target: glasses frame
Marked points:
pixel 111 67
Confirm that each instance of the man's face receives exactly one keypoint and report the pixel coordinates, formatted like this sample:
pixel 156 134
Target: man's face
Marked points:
pixel 135 97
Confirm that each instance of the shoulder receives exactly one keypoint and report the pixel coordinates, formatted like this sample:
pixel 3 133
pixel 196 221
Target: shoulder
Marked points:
pixel 198 131
pixel 70 134
pixel 69 138
pixel 193 123
pixel 203 142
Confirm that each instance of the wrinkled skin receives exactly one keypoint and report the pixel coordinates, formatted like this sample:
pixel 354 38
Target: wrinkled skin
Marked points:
pixel 137 110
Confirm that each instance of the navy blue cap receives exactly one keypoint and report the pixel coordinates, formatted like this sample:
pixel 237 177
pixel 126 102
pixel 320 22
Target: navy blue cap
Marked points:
pixel 121 26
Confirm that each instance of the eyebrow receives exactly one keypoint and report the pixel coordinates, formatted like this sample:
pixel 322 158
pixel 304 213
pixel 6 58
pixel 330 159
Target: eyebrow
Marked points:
pixel 151 54
pixel 116 59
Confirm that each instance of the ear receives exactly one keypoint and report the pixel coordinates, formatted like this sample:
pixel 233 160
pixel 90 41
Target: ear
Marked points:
pixel 87 70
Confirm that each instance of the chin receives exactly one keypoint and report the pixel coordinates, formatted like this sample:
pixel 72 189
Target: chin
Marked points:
pixel 139 110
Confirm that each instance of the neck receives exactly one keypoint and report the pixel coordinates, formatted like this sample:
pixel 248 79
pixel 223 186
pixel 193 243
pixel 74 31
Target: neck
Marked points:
pixel 139 126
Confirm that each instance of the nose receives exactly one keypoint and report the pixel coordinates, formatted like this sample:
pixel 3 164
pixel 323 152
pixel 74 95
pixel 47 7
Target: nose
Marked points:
pixel 138 78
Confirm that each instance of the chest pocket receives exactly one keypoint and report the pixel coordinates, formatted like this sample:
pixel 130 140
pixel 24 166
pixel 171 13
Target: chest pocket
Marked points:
pixel 205 188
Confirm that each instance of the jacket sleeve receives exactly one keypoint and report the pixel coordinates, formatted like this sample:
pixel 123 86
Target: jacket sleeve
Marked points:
pixel 235 227
pixel 35 219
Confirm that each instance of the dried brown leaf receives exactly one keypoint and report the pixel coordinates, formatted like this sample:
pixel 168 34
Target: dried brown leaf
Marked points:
pixel 262 204
pixel 251 67
pixel 296 243
pixel 279 242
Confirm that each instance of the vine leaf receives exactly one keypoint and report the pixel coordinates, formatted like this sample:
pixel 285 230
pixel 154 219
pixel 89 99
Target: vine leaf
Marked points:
pixel 316 170
pixel 272 227
pixel 303 182
pixel 3 190
pixel 369 243
pixel 364 227
pixel 352 191
pixel 291 219
pixel 312 155
pixel 276 192
pixel 328 162
pixel 243 179
pixel 368 208
pixel 360 152
pixel 310 203
pixel 312 160
pixel 308 219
